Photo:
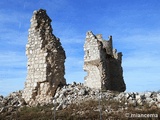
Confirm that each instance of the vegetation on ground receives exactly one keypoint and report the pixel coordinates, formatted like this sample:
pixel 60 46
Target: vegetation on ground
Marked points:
pixel 88 110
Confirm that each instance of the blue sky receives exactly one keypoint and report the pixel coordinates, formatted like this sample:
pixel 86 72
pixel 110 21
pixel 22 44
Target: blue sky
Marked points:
pixel 134 25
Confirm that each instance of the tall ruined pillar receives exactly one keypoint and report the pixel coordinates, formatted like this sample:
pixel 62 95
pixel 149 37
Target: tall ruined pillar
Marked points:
pixel 102 64
pixel 46 59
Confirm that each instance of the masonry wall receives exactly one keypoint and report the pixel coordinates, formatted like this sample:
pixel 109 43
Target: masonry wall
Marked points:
pixel 46 57
pixel 92 59
pixel 102 64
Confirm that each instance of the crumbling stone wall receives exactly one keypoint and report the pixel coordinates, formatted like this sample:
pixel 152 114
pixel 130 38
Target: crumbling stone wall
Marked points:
pixel 102 64
pixel 46 59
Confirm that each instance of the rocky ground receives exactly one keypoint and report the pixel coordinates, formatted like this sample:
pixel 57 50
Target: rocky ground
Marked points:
pixel 11 103
pixel 76 94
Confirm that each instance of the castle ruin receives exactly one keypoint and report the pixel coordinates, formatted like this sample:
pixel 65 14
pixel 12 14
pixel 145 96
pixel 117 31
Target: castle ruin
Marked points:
pixel 46 59
pixel 102 64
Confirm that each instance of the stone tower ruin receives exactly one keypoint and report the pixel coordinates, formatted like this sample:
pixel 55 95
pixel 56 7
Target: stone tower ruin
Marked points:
pixel 102 64
pixel 46 59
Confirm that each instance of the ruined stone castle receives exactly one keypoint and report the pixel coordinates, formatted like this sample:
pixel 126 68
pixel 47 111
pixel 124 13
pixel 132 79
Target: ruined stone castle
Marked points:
pixel 46 59
pixel 102 64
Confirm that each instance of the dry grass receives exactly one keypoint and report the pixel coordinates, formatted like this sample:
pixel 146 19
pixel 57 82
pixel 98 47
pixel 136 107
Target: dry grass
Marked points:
pixel 88 110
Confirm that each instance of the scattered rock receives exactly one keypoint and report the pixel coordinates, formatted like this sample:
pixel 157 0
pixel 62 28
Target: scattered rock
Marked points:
pixel 77 93
pixel 12 102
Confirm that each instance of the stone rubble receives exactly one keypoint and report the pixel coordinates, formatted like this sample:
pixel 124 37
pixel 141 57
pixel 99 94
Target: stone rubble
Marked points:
pixel 77 93
pixel 46 59
pixel 11 103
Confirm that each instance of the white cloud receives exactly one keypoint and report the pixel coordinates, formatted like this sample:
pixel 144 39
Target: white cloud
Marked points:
pixel 14 38
pixel 75 76
pixel 141 61
pixel 12 59
pixel 142 79
pixel 13 28
pixel 12 71
pixel 74 69
pixel 12 51
pixel 10 16
pixel 10 85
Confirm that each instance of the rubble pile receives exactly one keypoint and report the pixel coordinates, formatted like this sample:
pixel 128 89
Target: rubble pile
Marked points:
pixel 11 103
pixel 77 93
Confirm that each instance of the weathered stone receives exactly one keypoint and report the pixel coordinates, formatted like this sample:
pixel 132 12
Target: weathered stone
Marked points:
pixel 1 97
pixel 82 92
pixel 148 94
pixel 12 102
pixel 46 59
pixel 140 102
pixel 121 96
pixel 70 94
pixel 127 95
pixel 153 94
pixel 158 105
pixel 132 102
pixel 102 64
pixel 150 102
pixel 138 97
pixel 143 97
pixel 158 97
pixel 2 109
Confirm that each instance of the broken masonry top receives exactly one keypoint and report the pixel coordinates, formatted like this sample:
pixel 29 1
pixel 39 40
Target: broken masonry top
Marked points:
pixel 40 18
